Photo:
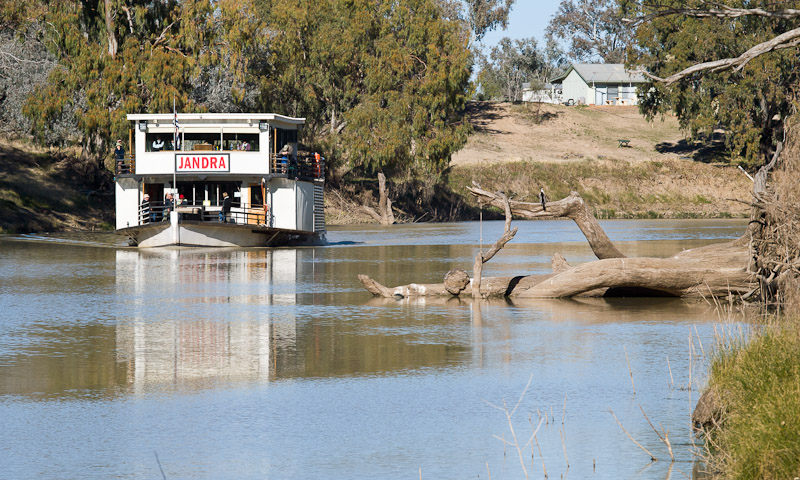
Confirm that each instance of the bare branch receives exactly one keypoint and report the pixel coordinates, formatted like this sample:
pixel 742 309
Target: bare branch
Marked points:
pixel 723 11
pixel 162 36
pixel 128 13
pixel 788 39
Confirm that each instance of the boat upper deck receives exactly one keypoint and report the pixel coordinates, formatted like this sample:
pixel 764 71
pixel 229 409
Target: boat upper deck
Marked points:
pixel 217 144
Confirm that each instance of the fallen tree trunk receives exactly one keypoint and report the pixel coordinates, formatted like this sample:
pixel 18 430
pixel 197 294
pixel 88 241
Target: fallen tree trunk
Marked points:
pixel 714 270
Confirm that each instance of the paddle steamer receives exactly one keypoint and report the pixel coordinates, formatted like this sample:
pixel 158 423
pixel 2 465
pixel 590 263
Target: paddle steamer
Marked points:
pixel 171 188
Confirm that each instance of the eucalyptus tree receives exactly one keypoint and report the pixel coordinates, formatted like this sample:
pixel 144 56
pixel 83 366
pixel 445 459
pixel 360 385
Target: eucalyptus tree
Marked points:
pixel 510 64
pixel 117 57
pixel 382 84
pixel 732 67
pixel 592 30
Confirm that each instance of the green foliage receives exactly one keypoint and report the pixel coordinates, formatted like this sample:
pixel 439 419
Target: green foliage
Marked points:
pixel 382 84
pixel 759 384
pixel 136 64
pixel 594 30
pixel 750 105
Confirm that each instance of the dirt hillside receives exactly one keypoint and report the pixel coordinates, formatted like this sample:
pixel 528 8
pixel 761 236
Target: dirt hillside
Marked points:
pixel 520 147
pixel 555 133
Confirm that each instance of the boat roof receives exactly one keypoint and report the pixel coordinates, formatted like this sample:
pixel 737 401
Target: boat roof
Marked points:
pixel 240 117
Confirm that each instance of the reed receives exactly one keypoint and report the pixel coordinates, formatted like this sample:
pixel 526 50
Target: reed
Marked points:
pixel 509 414
pixel 652 457
pixel 630 371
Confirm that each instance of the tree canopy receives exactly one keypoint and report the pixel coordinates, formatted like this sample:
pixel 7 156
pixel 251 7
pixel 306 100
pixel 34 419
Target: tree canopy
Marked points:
pixel 592 30
pixel 381 83
pixel 749 99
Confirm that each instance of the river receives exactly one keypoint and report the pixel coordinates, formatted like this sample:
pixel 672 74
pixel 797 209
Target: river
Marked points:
pixel 259 363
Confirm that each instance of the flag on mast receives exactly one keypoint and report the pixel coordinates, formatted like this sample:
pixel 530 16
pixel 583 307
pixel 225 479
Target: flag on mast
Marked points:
pixel 176 140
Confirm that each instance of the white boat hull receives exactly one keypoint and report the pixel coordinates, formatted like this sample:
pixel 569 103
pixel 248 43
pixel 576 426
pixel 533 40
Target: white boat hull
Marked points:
pixel 213 234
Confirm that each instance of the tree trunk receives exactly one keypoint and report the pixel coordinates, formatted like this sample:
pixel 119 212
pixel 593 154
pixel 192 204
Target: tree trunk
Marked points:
pixel 384 202
pixel 112 38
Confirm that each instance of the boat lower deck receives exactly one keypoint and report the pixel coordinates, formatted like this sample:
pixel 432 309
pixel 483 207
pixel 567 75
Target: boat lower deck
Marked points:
pixel 216 234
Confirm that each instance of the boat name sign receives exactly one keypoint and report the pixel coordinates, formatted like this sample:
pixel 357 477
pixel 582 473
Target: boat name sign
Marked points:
pixel 202 162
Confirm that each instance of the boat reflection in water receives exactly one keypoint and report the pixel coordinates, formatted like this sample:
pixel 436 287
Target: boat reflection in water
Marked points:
pixel 170 341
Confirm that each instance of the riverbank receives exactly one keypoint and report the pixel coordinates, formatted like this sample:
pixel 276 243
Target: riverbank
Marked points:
pixel 44 191
pixel 514 148
pixel 756 429
pixel 520 148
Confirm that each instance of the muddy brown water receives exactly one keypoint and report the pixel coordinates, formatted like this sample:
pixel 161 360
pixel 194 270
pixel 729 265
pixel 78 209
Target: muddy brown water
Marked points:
pixel 234 363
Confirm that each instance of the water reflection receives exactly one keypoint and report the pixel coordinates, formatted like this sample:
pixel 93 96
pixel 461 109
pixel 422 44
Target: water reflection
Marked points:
pixel 276 363
pixel 190 319
pixel 188 350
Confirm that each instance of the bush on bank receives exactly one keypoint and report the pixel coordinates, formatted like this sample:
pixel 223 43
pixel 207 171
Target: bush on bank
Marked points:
pixel 759 390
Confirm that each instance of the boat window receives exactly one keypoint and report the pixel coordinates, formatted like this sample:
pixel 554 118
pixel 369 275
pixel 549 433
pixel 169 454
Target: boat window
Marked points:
pixel 284 138
pixel 240 141
pixel 156 142
pixel 196 193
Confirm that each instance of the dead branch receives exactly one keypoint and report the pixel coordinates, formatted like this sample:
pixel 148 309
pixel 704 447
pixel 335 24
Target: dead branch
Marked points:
pixel 664 438
pixel 371 212
pixel 572 207
pixel 482 258
pixel 652 457
pixel 384 202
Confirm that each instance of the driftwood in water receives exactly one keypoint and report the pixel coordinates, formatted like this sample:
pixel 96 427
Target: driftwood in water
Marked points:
pixel 572 207
pixel 714 270
pixel 482 258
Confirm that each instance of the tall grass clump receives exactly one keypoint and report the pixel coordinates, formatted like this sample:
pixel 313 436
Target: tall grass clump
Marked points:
pixel 758 384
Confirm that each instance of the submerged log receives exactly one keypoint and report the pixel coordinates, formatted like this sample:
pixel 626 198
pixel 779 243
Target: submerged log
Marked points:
pixel 714 270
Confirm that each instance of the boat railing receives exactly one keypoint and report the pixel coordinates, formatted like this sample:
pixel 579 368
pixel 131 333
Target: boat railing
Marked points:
pixel 307 167
pixel 126 165
pixel 156 211
pixel 255 215
pixel 153 212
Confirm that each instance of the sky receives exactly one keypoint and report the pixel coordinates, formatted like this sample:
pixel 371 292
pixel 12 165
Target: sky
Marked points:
pixel 528 18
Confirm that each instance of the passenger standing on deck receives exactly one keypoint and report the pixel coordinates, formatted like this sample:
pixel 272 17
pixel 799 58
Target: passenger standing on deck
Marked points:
pixel 169 203
pixel 119 155
pixel 226 208
pixel 145 215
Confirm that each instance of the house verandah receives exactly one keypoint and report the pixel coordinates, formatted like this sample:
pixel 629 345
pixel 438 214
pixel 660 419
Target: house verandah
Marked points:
pixel 590 84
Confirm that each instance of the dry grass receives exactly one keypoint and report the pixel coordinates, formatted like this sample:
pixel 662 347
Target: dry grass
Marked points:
pixel 758 381
pixel 659 189
pixel 506 132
